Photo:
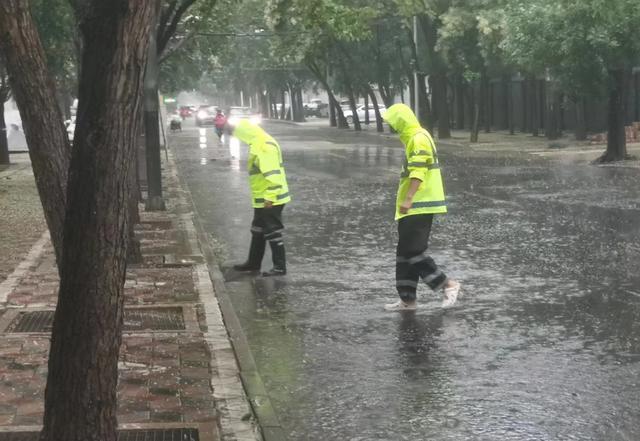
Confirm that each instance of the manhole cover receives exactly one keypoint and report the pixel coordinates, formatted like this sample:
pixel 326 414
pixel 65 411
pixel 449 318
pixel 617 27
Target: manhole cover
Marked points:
pixel 138 319
pixel 123 435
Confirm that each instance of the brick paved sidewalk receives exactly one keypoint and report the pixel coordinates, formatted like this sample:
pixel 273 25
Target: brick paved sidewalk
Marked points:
pixel 177 367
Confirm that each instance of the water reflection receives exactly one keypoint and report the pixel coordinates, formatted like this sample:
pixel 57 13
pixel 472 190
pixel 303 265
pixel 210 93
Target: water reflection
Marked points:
pixel 234 152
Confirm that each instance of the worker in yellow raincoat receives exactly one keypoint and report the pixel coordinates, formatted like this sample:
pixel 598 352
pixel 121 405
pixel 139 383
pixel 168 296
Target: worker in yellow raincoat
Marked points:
pixel 420 197
pixel 269 194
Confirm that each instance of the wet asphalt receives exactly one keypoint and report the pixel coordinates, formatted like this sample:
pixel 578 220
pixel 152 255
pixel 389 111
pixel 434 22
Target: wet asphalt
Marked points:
pixel 544 343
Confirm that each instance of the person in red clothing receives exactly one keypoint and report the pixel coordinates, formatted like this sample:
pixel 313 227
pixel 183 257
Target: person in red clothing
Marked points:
pixel 220 122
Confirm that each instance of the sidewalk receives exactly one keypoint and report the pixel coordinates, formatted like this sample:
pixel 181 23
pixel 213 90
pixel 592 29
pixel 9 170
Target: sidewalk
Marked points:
pixel 179 378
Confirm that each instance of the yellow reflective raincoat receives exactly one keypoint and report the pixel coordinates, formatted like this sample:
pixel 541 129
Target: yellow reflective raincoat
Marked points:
pixel 420 162
pixel 267 178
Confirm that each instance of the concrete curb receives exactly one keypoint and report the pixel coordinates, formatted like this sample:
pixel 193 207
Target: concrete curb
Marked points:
pixel 27 263
pixel 217 301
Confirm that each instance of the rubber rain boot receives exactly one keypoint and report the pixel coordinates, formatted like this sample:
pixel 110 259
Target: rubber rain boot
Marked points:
pixel 279 260
pixel 256 253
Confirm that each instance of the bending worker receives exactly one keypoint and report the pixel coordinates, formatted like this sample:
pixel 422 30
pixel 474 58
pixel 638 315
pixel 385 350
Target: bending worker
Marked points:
pixel 420 197
pixel 269 194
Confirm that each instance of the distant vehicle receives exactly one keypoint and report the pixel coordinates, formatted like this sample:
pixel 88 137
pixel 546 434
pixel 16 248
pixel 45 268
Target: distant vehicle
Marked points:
pixel 238 113
pixel 361 112
pixel 316 108
pixel 206 115
pixel 185 111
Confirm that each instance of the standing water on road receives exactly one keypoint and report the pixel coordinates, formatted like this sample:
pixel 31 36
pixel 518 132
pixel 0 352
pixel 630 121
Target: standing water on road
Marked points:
pixel 543 345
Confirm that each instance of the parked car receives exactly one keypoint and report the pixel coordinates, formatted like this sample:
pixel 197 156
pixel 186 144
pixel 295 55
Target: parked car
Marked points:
pixel 238 113
pixel 206 115
pixel 316 108
pixel 361 112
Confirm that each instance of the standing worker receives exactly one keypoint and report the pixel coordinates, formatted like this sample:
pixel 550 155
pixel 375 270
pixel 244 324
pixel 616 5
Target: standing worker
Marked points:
pixel 269 194
pixel 420 196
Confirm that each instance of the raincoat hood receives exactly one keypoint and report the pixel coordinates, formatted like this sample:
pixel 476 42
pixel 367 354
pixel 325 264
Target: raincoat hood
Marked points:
pixel 249 132
pixel 403 120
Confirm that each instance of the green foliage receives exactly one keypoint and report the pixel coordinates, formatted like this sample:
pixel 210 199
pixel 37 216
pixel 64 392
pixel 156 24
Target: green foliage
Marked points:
pixel 576 42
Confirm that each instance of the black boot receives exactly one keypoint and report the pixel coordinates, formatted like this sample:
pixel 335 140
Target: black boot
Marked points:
pixel 256 252
pixel 279 260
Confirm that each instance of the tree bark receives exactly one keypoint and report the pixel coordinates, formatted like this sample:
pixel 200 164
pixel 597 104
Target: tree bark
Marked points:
pixel 581 123
pixel 366 107
pixel 616 136
pixel 4 143
pixel 42 121
pixel 155 201
pixel 459 100
pixel 374 101
pixel 283 110
pixel 442 104
pixel 475 122
pixel 553 131
pixel 80 398
pixel 533 101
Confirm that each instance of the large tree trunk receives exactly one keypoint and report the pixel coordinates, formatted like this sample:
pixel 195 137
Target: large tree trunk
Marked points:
pixel 80 399
pixel 4 143
pixel 616 136
pixel 43 123
pixel 155 201
pixel 459 100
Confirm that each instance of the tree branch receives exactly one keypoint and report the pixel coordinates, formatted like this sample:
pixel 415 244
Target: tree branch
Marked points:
pixel 170 29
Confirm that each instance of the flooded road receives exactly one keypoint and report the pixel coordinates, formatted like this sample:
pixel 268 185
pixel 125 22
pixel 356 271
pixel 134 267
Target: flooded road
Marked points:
pixel 543 345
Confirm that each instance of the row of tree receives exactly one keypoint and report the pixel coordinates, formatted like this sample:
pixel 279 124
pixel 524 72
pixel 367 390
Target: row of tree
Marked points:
pixel 557 54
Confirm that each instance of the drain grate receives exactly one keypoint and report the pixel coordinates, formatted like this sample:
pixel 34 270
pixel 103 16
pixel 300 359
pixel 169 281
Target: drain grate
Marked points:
pixel 123 435
pixel 138 319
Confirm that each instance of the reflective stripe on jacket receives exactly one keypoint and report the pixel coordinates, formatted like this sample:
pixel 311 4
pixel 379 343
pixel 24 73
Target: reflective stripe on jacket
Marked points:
pixel 267 177
pixel 421 162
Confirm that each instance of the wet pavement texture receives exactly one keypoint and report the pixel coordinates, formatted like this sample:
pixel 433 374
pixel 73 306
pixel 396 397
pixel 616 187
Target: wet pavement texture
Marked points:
pixel 543 345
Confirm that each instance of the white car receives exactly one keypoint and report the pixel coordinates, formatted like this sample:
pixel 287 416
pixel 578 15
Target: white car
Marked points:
pixel 361 111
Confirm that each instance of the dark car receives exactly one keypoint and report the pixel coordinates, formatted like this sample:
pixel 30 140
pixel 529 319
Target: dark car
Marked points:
pixel 206 115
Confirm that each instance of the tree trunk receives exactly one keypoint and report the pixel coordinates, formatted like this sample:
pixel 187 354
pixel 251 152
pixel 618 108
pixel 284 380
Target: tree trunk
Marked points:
pixel 509 102
pixel 283 109
pixel 616 136
pixel 525 106
pixel 80 398
pixel 4 143
pixel 442 104
pixel 488 114
pixel 374 101
pixel 352 103
pixel 366 107
pixel 475 122
pixel 460 93
pixel 42 121
pixel 553 113
pixel 533 101
pixel 425 114
pixel 581 123
pixel 155 201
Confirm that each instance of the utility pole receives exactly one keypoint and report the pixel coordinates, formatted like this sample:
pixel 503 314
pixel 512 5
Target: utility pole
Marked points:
pixel 155 202
pixel 416 90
